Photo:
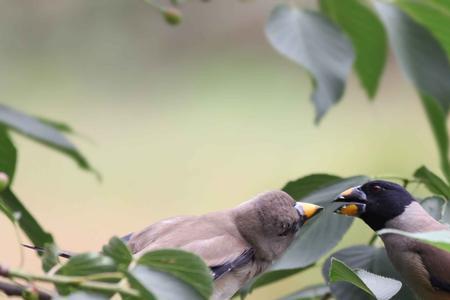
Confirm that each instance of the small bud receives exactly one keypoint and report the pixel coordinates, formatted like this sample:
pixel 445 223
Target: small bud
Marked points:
pixel 4 180
pixel 171 15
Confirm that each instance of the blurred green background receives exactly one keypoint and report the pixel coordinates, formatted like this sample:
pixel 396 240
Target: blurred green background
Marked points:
pixel 181 120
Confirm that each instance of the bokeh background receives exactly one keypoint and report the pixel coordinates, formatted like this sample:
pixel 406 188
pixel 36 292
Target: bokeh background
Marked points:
pixel 181 120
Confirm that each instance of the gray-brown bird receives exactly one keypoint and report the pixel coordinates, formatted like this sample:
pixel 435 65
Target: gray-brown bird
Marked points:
pixel 383 204
pixel 238 243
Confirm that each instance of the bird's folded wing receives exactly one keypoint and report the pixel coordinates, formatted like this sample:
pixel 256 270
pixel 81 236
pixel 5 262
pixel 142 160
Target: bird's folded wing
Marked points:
pixel 437 264
pixel 216 241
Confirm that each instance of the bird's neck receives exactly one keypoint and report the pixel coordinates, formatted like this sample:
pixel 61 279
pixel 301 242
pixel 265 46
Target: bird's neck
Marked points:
pixel 415 219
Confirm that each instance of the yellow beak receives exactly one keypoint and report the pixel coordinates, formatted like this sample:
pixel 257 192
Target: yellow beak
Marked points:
pixel 307 210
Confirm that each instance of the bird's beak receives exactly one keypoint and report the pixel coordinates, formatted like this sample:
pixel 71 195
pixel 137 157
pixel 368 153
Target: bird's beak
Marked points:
pixel 356 201
pixel 307 210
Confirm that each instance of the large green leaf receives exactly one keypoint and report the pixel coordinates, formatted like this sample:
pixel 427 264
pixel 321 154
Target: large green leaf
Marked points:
pixel 379 287
pixel 426 64
pixel 438 122
pixel 26 221
pixel 367 35
pixel 433 14
pixel 369 258
pixel 314 42
pixel 41 132
pixel 171 263
pixel 314 292
pixel 438 239
pixel 432 182
pixel 421 57
pixel 8 155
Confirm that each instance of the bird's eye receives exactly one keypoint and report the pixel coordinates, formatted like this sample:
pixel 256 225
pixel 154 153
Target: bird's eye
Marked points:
pixel 376 188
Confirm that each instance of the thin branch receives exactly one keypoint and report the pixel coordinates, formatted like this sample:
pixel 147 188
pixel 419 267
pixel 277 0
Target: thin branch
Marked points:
pixel 17 290
pixel 80 281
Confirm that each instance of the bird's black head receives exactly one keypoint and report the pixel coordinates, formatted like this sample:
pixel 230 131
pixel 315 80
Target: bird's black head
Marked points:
pixel 375 202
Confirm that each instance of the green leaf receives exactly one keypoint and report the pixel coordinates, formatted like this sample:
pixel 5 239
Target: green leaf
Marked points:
pixel 6 211
pixel 304 186
pixel 26 221
pixel 370 258
pixel 161 285
pixel 438 239
pixel 268 278
pixel 41 132
pixel 314 292
pixel 87 264
pixel 433 14
pixel 381 288
pixel 367 35
pixel 434 184
pixel 421 57
pixel 311 40
pixel 136 284
pixel 8 157
pixel 119 252
pixel 435 206
pixel 83 265
pixel 438 122
pixel 426 64
pixel 182 265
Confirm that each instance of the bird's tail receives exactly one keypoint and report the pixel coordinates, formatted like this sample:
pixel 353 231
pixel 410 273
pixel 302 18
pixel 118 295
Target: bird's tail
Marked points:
pixel 61 253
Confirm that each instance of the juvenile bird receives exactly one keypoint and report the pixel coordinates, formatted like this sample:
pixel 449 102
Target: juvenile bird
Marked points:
pixel 237 244
pixel 382 204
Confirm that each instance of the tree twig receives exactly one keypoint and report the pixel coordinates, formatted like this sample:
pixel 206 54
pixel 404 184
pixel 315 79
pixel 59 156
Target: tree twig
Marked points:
pixel 81 281
pixel 17 290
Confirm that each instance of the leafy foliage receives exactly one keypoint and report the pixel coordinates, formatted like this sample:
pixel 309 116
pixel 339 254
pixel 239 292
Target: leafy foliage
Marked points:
pixel 367 35
pixel 379 287
pixel 181 264
pixel 327 42
pixel 369 258
pixel 328 56
pixel 44 132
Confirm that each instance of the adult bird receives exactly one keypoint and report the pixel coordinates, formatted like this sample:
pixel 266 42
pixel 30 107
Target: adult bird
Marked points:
pixel 382 204
pixel 237 244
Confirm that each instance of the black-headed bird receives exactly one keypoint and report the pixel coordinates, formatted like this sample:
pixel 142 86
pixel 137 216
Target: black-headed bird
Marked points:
pixel 382 204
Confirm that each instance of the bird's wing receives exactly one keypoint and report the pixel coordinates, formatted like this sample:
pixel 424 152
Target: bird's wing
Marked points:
pixel 437 264
pixel 215 240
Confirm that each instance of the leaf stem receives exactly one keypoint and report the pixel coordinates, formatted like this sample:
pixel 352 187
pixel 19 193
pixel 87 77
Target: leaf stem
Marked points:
pixel 88 282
